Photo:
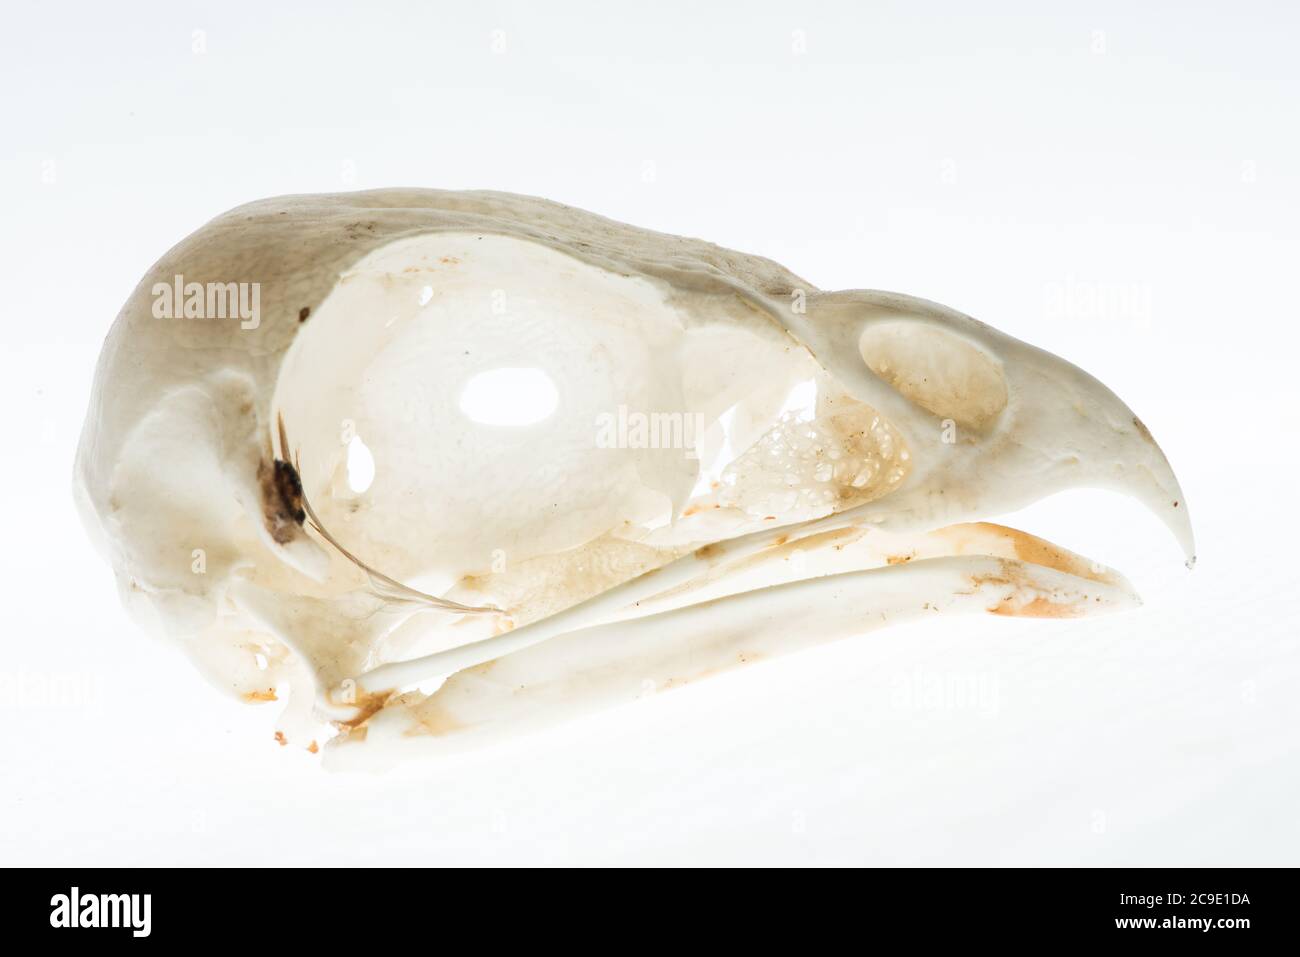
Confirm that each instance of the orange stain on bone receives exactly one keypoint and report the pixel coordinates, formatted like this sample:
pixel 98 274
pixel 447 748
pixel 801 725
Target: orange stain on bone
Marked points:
pixel 1028 548
pixel 1036 608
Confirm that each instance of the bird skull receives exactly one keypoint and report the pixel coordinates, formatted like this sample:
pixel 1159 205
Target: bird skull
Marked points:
pixel 606 462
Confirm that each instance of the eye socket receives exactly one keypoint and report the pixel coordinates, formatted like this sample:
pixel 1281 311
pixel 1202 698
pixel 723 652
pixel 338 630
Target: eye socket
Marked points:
pixel 937 370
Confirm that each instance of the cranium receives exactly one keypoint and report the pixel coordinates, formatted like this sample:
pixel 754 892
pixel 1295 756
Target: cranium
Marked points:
pixel 607 462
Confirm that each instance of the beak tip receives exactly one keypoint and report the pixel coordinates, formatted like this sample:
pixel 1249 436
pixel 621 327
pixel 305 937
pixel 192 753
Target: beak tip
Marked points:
pixel 1180 524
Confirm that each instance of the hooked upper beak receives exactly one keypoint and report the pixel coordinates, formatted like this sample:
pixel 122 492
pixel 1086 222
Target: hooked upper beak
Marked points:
pixel 1042 424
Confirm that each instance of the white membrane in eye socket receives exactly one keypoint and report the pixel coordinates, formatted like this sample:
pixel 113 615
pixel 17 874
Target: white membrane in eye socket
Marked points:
pixel 361 465
pixel 509 397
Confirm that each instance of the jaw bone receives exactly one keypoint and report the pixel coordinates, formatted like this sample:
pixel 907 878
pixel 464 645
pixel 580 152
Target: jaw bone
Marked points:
pixel 581 671
pixel 532 553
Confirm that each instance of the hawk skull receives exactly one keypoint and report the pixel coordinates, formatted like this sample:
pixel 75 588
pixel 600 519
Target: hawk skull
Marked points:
pixel 605 462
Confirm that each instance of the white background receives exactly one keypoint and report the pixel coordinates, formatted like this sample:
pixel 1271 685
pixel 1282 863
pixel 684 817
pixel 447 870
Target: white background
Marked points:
pixel 1118 185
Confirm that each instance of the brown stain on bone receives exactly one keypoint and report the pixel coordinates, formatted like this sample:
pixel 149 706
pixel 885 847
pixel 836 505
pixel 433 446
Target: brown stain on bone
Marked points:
pixel 782 548
pixel 282 501
pixel 707 553
pixel 431 719
pixel 367 704
pixel 260 695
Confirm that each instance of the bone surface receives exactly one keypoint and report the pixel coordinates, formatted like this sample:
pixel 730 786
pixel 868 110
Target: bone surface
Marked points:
pixel 342 446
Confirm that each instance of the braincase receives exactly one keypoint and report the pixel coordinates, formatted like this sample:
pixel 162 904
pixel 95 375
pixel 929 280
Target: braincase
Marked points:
pixel 585 234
